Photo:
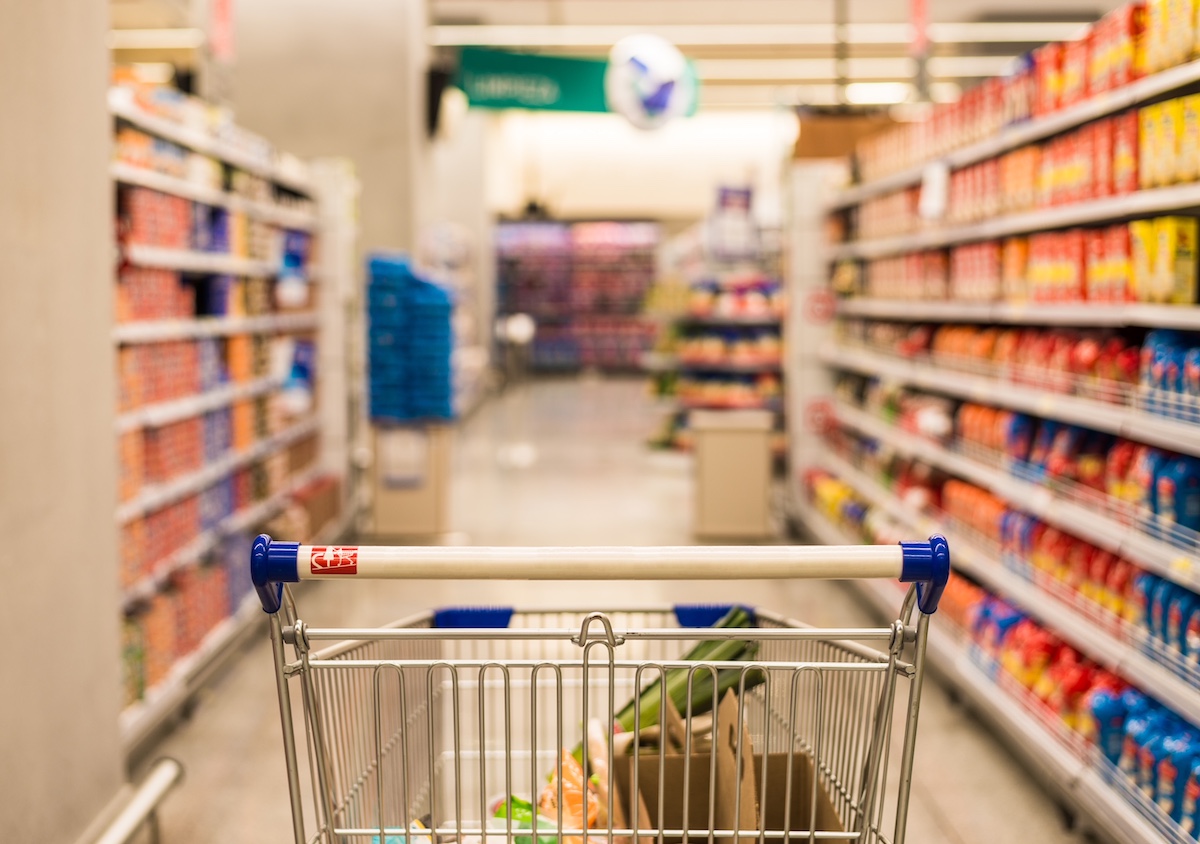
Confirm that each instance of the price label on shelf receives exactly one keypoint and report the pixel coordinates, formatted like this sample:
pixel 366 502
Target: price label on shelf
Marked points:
pixel 1182 565
pixel 1045 405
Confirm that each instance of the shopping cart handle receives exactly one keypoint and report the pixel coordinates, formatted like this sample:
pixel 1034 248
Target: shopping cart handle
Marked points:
pixel 927 564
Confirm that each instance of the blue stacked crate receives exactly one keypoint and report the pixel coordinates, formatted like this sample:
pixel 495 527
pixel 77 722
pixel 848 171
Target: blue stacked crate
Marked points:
pixel 216 504
pixel 411 342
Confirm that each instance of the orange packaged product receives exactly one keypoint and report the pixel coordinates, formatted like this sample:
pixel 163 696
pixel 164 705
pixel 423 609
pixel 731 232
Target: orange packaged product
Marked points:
pixel 1074 273
pixel 1096 273
pixel 1075 58
pixel 1119 263
pixel 1125 175
pixel 1127 49
pixel 1102 158
pixel 1047 64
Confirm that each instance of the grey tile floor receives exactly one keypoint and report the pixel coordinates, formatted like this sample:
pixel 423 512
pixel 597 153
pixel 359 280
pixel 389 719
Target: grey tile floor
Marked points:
pixel 562 462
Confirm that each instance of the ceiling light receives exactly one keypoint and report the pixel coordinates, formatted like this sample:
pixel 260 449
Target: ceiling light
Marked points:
pixel 877 93
pixel 155 39
pixel 722 35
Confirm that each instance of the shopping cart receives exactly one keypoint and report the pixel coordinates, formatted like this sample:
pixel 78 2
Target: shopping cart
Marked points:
pixel 446 727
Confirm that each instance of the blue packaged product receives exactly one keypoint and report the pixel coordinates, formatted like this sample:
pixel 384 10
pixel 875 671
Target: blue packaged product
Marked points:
pixel 1189 818
pixel 1177 495
pixel 1018 436
pixel 1151 750
pixel 1109 711
pixel 1160 599
pixel 1174 767
pixel 1043 442
pixel 1138 726
pixel 1191 384
pixel 1143 482
pixel 1137 610
pixel 1180 609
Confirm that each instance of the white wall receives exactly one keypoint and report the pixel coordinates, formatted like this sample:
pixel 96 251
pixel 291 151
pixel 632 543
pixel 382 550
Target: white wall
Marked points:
pixel 60 760
pixel 598 165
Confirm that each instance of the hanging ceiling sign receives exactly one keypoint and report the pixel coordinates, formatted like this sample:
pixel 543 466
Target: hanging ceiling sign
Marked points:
pixel 498 79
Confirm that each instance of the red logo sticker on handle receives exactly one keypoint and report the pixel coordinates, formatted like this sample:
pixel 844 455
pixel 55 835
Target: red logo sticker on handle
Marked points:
pixel 338 559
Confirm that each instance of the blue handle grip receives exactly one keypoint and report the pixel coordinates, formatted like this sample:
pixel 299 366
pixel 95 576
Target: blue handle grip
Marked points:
pixel 927 564
pixel 272 564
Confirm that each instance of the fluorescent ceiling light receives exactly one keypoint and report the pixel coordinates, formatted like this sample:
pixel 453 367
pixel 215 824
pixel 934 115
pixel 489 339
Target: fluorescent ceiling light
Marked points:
pixel 722 35
pixel 749 70
pixel 155 39
pixel 878 93
pixel 743 96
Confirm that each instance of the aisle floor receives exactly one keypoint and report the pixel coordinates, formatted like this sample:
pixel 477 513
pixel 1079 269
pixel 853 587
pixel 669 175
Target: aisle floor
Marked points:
pixel 562 462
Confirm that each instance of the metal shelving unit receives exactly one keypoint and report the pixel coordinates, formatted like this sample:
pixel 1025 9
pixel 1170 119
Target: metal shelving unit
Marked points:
pixel 154 331
pixel 1148 428
pixel 1142 203
pixel 190 261
pixel 127 174
pixel 164 413
pixel 1081 785
pixel 1133 314
pixel 1161 558
pixel 160 495
pixel 1144 90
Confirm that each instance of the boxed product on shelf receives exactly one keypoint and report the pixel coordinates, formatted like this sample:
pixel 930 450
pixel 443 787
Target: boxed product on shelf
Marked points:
pixel 147 293
pixel 168 529
pixel 173 449
pixel 160 628
pixel 321 501
pixel 132 552
pixel 242 424
pixel 203 601
pixel 131 463
pixel 151 218
pixel 216 503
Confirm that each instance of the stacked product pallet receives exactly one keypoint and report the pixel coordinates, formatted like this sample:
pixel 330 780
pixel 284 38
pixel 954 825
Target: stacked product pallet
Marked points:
pixel 720 346
pixel 584 285
pixel 411 345
pixel 215 344
pixel 1015 362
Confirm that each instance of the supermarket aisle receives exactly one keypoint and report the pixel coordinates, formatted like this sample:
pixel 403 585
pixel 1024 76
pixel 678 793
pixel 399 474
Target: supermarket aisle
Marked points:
pixel 562 462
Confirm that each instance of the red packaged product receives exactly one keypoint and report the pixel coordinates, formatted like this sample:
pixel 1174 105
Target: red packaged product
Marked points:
pixel 1078 569
pixel 1075 56
pixel 1047 66
pixel 1102 158
pixel 1128 30
pixel 1125 153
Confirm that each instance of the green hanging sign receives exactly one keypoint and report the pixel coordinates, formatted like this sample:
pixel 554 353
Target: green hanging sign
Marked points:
pixel 498 79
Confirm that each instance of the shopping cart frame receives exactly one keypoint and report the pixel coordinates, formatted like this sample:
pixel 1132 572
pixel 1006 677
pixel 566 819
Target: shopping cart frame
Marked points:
pixel 925 565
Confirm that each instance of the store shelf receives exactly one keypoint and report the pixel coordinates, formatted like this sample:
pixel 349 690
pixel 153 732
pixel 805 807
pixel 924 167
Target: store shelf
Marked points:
pixel 716 321
pixel 1161 558
pixel 155 331
pixel 665 362
pixel 1075 628
pixel 1011 137
pixel 140 719
pixel 152 498
pixel 120 105
pixel 1111 418
pixel 128 174
pixel 775 406
pixel 1025 313
pixel 190 261
pixel 1107 811
pixel 1142 203
pixel 164 413
pixel 198 548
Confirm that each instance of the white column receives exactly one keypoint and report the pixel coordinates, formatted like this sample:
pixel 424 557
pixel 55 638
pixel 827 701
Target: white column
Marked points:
pixel 59 596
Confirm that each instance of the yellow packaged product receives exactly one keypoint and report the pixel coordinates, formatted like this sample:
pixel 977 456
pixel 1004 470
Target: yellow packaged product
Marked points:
pixel 1174 280
pixel 1155 38
pixel 1149 128
pixel 1188 164
pixel 1169 139
pixel 1181 33
pixel 1141 257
